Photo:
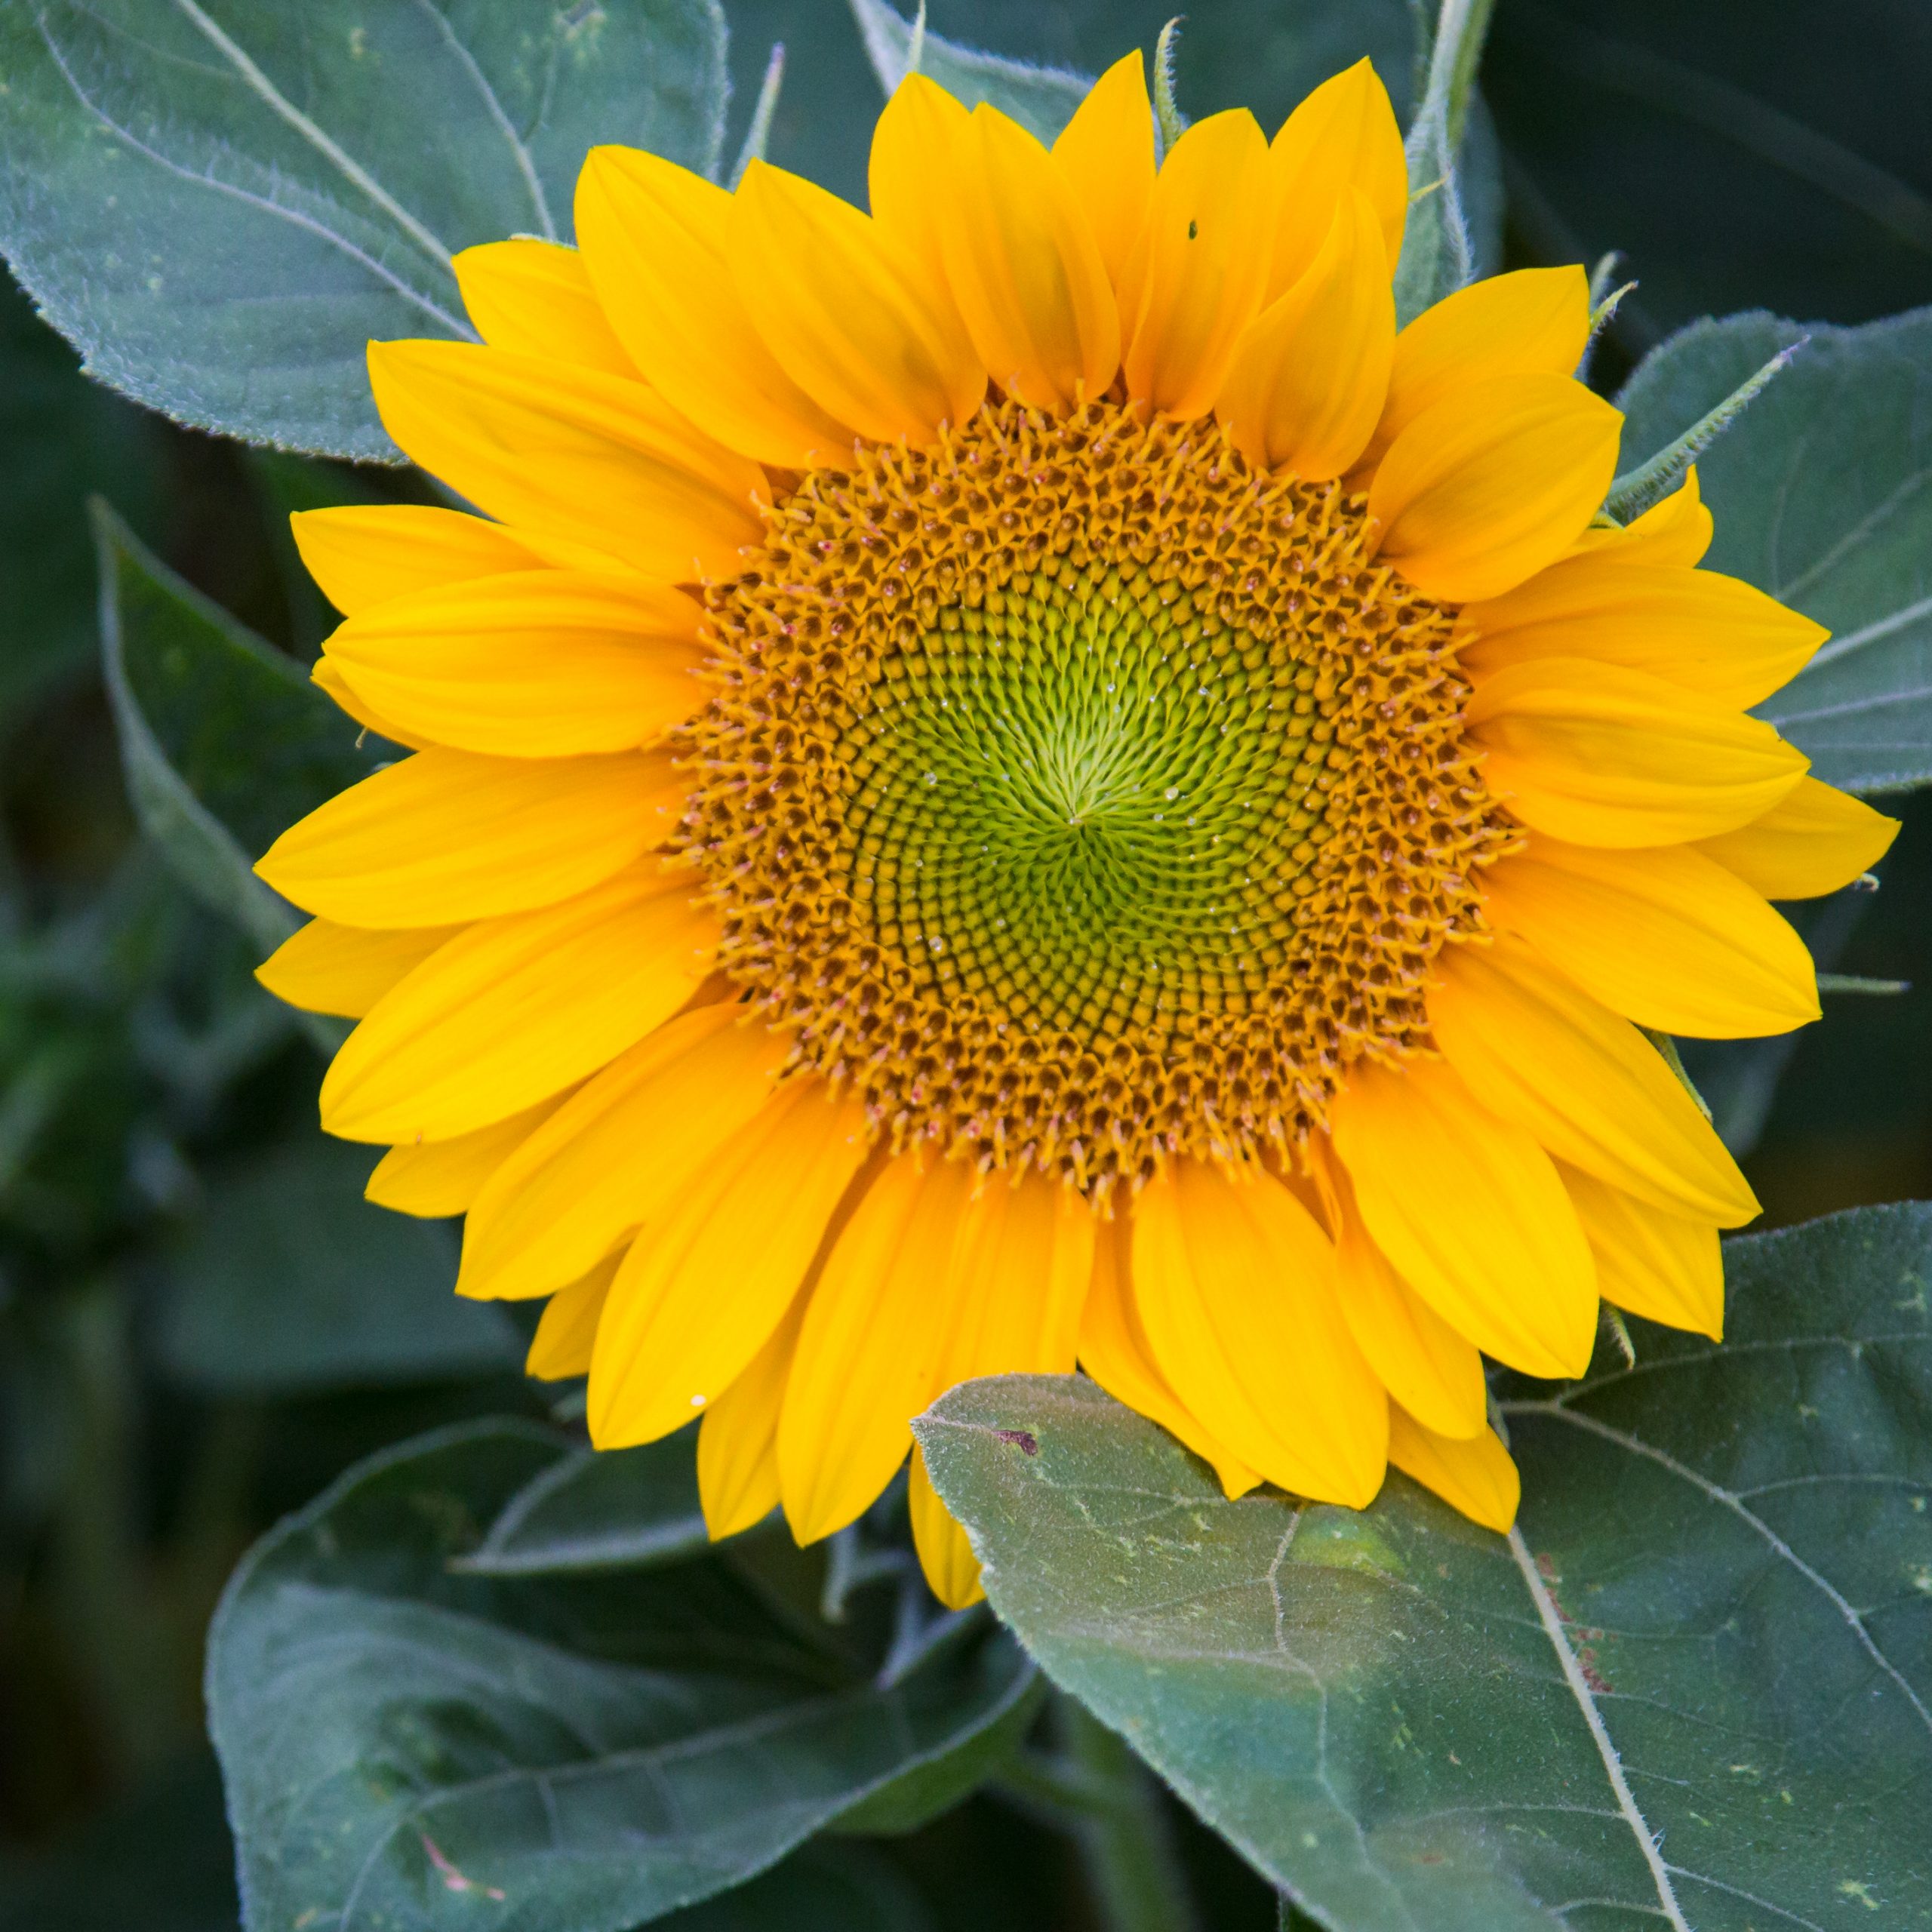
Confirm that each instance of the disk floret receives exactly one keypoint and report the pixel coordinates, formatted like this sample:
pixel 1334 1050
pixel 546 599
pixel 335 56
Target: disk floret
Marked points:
pixel 1079 795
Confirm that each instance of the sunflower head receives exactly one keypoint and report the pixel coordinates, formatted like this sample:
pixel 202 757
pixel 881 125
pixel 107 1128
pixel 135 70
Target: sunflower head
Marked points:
pixel 1019 780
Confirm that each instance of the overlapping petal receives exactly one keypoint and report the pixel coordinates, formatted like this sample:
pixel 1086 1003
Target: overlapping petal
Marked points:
pixel 623 1149
pixel 713 1272
pixel 1470 1211
pixel 1495 482
pixel 1025 269
pixel 1342 141
pixel 847 310
pixel 1814 840
pixel 1235 1287
pixel 656 241
pixel 535 298
pixel 1600 755
pixel 1668 938
pixel 572 452
pixel 1106 153
pixel 448 836
pixel 514 1010
pixel 1309 376
pixel 539 664
pixel 1198 273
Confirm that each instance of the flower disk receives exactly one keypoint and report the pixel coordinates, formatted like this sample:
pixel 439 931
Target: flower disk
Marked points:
pixel 1081 794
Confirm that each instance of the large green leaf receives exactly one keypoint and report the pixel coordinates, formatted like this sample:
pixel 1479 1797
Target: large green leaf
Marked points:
pixel 1693 1689
pixel 224 739
pixel 610 1509
pixel 1820 491
pixel 220 202
pixel 292 1281
pixel 409 1746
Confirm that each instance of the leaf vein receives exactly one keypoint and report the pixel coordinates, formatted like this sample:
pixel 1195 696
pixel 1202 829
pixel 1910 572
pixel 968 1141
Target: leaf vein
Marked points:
pixel 1613 1765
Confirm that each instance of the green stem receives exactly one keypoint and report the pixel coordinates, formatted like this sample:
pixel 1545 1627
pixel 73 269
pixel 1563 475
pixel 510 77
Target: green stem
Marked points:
pixel 1126 1838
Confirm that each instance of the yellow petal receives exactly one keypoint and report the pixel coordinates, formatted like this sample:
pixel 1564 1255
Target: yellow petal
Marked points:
pixel 328 679
pixel 1236 1289
pixel 325 967
pixel 869 1350
pixel 1493 482
pixel 653 239
pixel 945 1556
pixel 572 452
pixel 737 1442
pixel 534 298
pixel 1660 1265
pixel 1600 755
pixel 1343 137
pixel 1475 1476
pixel 1716 637
pixel 1106 153
pixel 514 1010
pixel 448 836
pixel 567 1332
pixel 368 553
pixel 1676 531
pixel 714 1269
pixel 1020 1275
pixel 912 175
pixel 1309 377
pixel 1418 1358
pixel 1199 271
pixel 848 312
pixel 1535 1048
pixel 618 1153
pixel 1813 840
pixel 1114 1351
pixel 1668 938
pixel 1470 1212
pixel 438 1177
pixel 1532 321
pixel 541 664
pixel 1026 271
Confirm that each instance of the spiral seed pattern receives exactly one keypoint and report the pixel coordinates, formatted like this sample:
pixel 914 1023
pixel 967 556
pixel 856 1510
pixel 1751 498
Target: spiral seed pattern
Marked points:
pixel 1082 797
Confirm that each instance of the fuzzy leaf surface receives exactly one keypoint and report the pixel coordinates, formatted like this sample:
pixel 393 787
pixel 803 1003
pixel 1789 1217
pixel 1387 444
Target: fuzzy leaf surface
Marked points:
pixel 220 202
pixel 1693 1692
pixel 409 1746
pixel 1823 495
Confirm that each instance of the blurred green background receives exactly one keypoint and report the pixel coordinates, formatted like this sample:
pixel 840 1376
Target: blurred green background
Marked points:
pixel 200 1323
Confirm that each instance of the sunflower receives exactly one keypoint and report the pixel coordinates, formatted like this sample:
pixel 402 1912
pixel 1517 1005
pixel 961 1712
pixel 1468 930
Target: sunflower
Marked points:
pixel 1021 781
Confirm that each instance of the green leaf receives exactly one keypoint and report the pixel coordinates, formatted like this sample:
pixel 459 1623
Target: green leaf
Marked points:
pixel 409 1746
pixel 224 740
pixel 1823 495
pixel 1695 1687
pixel 65 437
pixel 1041 99
pixel 220 202
pixel 599 1509
pixel 293 1282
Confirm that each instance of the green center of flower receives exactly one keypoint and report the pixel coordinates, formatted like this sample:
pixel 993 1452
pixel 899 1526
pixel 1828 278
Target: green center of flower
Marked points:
pixel 1080 797
pixel 1087 807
